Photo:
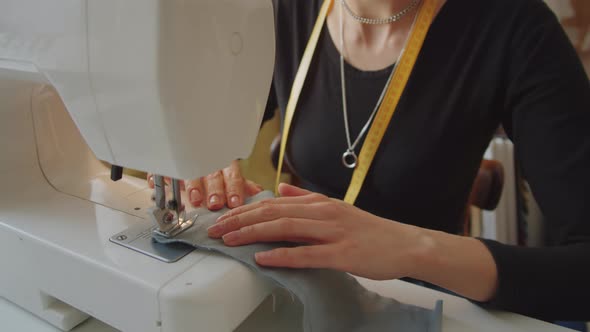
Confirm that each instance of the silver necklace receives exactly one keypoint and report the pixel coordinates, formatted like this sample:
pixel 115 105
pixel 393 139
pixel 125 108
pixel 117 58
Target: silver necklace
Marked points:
pixel 349 157
pixel 385 20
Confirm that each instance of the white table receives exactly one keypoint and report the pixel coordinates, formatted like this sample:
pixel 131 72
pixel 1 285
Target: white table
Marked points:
pixel 459 314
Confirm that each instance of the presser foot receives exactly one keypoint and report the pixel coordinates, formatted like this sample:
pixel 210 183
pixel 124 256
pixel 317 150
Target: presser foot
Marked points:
pixel 169 225
pixel 181 226
pixel 172 219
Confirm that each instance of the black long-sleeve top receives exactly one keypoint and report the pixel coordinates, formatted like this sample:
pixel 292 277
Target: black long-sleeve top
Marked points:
pixel 483 64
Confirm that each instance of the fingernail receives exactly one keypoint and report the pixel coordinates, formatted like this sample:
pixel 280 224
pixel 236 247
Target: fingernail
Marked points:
pixel 215 230
pixel 234 201
pixel 195 195
pixel 231 237
pixel 214 199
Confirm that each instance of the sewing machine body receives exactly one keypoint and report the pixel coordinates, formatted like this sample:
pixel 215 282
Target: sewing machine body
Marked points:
pixel 148 84
pixel 143 79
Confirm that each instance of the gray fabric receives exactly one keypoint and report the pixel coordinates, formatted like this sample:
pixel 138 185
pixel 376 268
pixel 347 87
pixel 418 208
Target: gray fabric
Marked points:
pixel 332 300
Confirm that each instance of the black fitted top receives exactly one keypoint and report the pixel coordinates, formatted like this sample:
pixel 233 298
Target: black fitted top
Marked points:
pixel 483 64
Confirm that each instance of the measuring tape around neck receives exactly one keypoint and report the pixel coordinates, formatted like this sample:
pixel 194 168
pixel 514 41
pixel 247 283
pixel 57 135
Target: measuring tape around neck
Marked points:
pixel 386 109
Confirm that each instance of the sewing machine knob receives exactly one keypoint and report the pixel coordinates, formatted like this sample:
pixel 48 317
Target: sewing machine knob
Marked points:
pixel 116 173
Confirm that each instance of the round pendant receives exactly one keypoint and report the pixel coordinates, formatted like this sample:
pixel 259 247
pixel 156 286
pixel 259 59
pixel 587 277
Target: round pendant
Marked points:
pixel 349 159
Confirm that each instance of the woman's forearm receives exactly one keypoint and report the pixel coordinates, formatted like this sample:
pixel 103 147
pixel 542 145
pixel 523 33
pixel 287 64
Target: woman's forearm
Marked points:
pixel 460 264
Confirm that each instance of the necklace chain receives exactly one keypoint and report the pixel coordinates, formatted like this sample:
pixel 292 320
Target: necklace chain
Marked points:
pixel 384 20
pixel 349 157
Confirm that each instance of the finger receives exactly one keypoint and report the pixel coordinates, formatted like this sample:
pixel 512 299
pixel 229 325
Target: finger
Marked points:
pixel 317 256
pixel 284 229
pixel 214 190
pixel 253 188
pixel 235 185
pixel 150 180
pixel 262 214
pixel 288 190
pixel 307 199
pixel 195 192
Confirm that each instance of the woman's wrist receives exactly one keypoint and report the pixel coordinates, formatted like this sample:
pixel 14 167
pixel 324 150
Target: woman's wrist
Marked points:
pixel 422 253
pixel 428 255
pixel 461 264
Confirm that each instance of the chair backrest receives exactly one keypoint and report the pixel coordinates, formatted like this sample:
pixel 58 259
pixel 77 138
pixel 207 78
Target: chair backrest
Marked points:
pixel 487 185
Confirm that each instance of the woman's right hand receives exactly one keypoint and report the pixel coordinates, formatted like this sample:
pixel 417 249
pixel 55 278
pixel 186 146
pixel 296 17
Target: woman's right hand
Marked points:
pixel 221 188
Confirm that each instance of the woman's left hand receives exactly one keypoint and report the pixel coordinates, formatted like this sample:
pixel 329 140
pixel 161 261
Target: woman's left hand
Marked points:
pixel 336 235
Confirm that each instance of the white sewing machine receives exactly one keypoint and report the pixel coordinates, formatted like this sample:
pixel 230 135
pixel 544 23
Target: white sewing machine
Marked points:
pixel 149 84
pixel 173 87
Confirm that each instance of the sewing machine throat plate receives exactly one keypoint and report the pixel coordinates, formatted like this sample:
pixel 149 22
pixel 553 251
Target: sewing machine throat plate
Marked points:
pixel 139 238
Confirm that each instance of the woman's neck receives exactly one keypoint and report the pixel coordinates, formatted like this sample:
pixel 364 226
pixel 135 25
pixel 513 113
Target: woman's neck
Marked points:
pixel 372 47
pixel 377 8
pixel 367 47
pixel 379 36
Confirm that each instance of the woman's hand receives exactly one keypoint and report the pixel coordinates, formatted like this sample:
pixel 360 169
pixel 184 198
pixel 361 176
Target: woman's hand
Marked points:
pixel 215 190
pixel 338 235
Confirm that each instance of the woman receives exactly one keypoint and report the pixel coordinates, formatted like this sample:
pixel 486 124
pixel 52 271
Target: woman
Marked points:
pixel 483 64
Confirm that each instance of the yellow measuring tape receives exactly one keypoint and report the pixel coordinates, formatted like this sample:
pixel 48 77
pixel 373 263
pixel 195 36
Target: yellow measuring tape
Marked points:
pixel 387 108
